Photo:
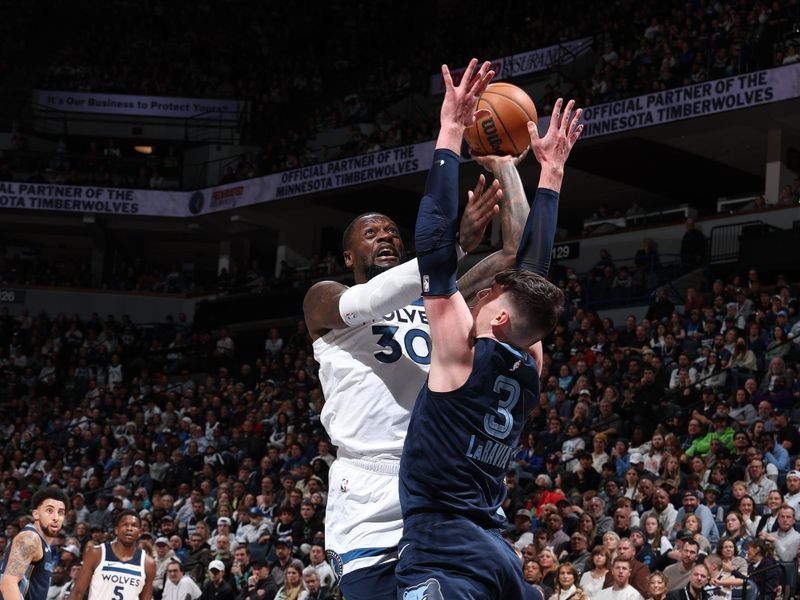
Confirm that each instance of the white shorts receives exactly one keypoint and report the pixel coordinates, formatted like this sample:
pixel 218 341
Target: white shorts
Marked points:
pixel 363 520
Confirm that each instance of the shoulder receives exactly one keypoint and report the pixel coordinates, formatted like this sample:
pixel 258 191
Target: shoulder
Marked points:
pixel 322 291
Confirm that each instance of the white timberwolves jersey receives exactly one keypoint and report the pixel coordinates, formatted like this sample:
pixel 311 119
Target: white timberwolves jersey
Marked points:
pixel 114 579
pixel 371 375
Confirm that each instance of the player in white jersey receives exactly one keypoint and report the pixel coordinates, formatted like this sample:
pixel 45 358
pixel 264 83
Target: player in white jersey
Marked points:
pixel 373 344
pixel 118 570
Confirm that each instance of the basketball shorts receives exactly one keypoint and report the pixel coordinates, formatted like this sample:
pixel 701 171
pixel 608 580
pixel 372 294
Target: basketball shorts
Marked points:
pixel 444 556
pixel 363 524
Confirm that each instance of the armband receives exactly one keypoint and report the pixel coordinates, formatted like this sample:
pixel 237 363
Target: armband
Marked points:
pixel 436 229
pixel 536 245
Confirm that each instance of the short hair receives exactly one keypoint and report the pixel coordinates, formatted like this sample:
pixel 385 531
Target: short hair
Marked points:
pixel 175 561
pixel 762 545
pixel 128 512
pixel 619 559
pixel 348 232
pixel 538 303
pixel 693 542
pixel 50 493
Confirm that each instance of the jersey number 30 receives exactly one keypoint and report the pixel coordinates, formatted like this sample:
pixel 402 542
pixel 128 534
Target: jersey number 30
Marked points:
pixel 393 349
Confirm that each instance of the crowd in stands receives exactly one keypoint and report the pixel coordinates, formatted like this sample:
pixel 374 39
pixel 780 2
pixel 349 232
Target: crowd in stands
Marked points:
pixel 678 427
pixel 290 96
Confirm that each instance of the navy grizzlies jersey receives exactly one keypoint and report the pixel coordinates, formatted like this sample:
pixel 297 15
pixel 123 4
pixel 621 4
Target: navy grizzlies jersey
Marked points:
pixel 36 581
pixel 460 443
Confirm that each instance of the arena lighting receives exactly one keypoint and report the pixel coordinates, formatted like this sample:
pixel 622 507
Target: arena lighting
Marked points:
pixel 143 149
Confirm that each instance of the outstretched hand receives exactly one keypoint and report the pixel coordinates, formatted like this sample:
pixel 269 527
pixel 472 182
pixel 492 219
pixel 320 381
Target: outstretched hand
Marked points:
pixel 460 103
pixel 482 206
pixel 553 149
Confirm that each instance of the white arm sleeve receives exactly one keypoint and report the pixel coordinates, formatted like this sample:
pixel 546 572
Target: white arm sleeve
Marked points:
pixel 384 293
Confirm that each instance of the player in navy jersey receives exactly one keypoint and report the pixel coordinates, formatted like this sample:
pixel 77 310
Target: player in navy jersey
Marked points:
pixel 482 382
pixel 28 563
pixel 118 570
pixel 372 342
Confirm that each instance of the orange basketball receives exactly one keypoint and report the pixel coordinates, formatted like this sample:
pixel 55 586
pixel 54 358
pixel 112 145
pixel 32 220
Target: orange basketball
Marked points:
pixel 505 131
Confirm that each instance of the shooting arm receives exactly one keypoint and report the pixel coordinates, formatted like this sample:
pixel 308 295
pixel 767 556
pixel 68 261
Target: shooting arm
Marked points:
pixel 331 305
pixel 448 315
pixel 513 213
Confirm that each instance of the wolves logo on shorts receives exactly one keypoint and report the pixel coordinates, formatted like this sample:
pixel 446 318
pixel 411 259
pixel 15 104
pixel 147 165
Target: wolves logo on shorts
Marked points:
pixel 430 590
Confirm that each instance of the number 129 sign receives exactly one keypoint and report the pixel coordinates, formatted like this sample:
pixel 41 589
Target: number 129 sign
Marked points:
pixel 566 251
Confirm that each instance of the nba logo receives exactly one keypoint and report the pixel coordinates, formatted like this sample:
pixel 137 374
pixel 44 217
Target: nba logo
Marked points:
pixel 430 590
pixel 426 283
pixel 345 486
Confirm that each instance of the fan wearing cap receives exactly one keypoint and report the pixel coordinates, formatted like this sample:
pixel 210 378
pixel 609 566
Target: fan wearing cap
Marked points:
pixel 218 588
pixel 255 529
pixel 164 553
pixel 119 569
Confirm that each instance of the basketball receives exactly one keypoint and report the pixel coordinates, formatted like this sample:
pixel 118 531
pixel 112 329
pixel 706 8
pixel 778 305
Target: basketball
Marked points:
pixel 505 131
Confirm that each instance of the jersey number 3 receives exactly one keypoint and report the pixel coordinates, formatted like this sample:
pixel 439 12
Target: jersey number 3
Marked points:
pixel 509 391
pixel 393 349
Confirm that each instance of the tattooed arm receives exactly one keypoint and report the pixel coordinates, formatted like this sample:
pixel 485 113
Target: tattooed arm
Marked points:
pixel 25 549
pixel 513 213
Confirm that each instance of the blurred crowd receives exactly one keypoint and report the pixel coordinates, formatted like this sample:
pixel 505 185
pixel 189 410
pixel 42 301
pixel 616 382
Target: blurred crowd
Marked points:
pixel 689 412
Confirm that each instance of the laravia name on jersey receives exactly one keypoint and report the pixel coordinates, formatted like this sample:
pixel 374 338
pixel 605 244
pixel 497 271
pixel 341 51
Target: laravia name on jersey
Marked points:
pixel 489 452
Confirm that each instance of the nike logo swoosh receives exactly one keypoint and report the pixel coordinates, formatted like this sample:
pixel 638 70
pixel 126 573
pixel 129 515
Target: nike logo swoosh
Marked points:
pixel 399 554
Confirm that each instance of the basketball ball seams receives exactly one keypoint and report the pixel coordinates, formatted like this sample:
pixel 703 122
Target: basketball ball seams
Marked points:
pixel 505 131
pixel 512 99
pixel 475 136
pixel 496 115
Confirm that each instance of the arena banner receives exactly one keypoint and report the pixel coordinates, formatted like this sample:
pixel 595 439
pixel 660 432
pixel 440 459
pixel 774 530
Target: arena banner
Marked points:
pixel 698 100
pixel 702 99
pixel 331 175
pixel 91 199
pixel 143 106
pixel 524 63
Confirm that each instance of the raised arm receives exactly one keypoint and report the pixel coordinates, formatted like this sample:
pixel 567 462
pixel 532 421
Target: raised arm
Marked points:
pixel 25 549
pixel 449 317
pixel 513 213
pixel 551 151
pixel 332 305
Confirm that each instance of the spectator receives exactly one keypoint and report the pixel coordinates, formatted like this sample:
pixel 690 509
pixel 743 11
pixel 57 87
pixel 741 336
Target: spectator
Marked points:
pixel 693 247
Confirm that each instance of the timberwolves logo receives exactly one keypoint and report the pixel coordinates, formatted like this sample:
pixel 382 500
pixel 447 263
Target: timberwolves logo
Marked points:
pixel 336 563
pixel 196 203
pixel 430 590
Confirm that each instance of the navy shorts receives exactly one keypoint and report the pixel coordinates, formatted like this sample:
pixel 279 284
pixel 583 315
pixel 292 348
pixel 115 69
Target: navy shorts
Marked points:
pixel 444 557
pixel 370 583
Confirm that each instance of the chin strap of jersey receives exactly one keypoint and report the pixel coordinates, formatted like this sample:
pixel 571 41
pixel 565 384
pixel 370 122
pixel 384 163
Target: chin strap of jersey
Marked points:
pixel 536 245
pixel 437 224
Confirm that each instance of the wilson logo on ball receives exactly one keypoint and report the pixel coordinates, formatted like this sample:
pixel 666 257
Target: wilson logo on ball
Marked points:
pixel 505 130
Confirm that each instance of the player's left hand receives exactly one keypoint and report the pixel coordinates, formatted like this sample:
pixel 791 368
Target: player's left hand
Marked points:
pixel 564 130
pixel 482 206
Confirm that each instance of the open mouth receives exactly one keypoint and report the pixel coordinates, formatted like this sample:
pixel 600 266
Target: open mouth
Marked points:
pixel 386 254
